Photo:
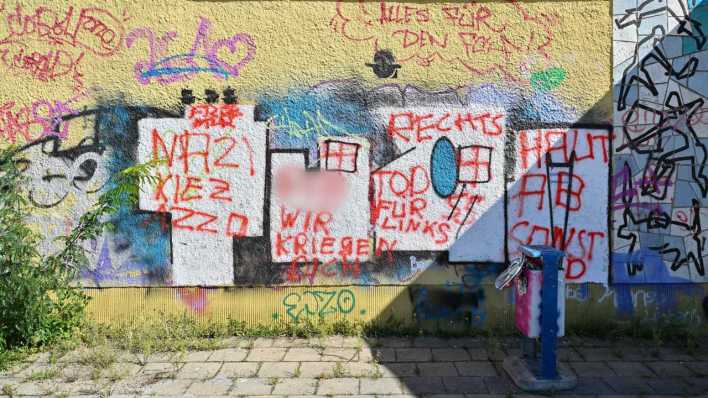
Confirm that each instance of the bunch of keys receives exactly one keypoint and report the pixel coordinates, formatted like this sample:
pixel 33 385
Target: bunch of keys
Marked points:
pixel 515 268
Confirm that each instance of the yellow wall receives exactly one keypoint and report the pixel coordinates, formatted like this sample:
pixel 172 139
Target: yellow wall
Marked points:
pixel 297 46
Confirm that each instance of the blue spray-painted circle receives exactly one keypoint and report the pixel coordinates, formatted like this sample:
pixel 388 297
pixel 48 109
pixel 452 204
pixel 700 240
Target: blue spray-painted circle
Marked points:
pixel 443 167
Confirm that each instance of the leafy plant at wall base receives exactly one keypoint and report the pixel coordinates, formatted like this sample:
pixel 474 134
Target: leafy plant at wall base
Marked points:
pixel 39 300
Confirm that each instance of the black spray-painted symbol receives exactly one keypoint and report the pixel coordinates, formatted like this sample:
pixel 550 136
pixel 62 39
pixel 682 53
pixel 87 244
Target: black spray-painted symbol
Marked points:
pixel 384 65
pixel 211 96
pixel 229 96
pixel 188 97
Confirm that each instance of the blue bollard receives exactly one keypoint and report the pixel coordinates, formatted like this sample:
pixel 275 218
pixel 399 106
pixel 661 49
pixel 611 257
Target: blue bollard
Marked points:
pixel 549 313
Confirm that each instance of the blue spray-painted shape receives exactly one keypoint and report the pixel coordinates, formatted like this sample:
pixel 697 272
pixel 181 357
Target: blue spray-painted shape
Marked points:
pixel 300 117
pixel 141 233
pixel 699 14
pixel 443 167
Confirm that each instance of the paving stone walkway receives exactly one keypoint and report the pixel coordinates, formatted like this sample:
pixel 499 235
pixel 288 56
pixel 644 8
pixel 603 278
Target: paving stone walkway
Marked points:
pixel 345 366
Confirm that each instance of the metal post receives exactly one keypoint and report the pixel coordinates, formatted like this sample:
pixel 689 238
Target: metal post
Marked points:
pixel 549 314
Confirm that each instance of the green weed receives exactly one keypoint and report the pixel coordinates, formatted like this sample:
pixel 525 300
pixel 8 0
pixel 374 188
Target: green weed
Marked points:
pixel 338 370
pixel 45 374
pixel 98 358
pixel 377 371
pixel 114 374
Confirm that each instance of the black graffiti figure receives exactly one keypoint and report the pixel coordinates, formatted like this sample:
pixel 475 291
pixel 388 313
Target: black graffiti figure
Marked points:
pixel 649 8
pixel 637 71
pixel 671 140
pixel 384 64
pixel 651 45
pixel 694 256
pixel 657 219
pixel 685 144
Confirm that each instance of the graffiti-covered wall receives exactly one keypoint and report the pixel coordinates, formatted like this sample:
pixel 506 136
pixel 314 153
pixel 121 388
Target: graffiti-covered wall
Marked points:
pixel 659 179
pixel 357 144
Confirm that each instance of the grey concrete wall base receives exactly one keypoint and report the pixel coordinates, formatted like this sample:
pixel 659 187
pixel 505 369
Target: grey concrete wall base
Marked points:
pixel 524 376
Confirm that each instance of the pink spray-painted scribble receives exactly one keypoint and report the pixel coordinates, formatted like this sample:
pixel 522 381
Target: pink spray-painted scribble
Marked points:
pixel 203 57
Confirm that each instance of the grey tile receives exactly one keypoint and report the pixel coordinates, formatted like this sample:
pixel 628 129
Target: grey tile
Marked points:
pixel 339 386
pixel 476 368
pixel 628 385
pixel 338 354
pixel 413 355
pixel 251 386
pixel 195 356
pixel 239 369
pixel 592 385
pixel 228 355
pixel 384 355
pixel 437 369
pixel 598 354
pixel 302 354
pixel 499 385
pixel 478 354
pixel 664 385
pixel 266 354
pixel 623 368
pixel 395 342
pixel 429 342
pixel 317 369
pixel 465 385
pixel 466 342
pixel 696 385
pixel 380 386
pixel 592 369
pixel 422 385
pixel 359 369
pixel 404 369
pixel 665 368
pixel 212 387
pixel 450 354
pixel 263 342
pixel 699 368
pixel 567 354
pixel 675 354
pixel 168 387
pixel 297 386
pixel 278 369
pixel 199 370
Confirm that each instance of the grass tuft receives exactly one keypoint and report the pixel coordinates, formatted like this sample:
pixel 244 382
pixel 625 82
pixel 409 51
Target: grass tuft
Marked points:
pixel 338 371
pixel 44 374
